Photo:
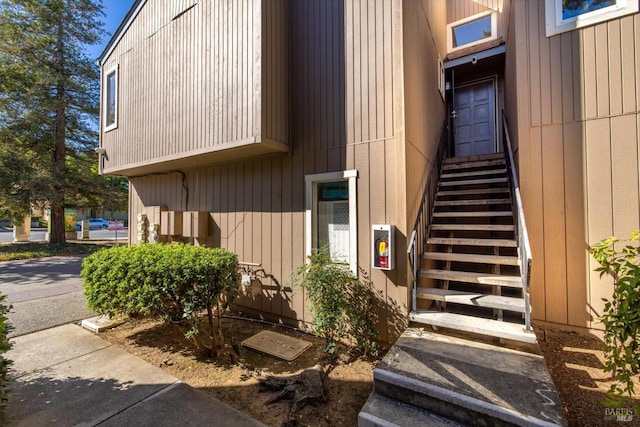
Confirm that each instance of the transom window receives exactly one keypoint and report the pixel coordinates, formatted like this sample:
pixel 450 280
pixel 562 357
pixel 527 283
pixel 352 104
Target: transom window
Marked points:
pixel 110 97
pixel 472 30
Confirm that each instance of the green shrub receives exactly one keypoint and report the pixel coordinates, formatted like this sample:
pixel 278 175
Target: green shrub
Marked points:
pixel 621 316
pixel 5 345
pixel 341 303
pixel 175 283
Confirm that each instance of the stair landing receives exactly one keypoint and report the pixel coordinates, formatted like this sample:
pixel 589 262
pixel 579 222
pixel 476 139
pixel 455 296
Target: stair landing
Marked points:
pixel 467 382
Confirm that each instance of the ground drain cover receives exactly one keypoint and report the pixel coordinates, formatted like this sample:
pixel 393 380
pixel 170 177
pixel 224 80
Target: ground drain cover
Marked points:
pixel 278 345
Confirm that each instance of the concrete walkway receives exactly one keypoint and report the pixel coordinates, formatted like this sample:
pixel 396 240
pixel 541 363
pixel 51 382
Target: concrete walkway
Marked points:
pixel 68 376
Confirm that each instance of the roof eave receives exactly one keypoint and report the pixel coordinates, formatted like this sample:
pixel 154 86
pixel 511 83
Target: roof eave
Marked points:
pixel 122 28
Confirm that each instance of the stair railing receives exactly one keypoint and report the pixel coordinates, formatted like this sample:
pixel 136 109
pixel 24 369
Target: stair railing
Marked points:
pixel 420 233
pixel 521 235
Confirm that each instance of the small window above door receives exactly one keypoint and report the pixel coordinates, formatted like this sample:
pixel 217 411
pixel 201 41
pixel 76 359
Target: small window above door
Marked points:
pixel 473 30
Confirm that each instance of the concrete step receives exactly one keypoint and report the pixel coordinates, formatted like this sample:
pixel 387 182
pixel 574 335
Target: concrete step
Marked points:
pixel 470 382
pixel 382 411
pixel 474 325
pixel 479 202
pixel 503 243
pixel 472 227
pixel 473 182
pixel 472 298
pixel 475 258
pixel 482 172
pixel 472 277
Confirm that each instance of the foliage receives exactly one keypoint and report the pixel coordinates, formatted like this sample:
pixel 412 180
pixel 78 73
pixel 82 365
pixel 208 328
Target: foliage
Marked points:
pixel 49 104
pixel 5 345
pixel 175 283
pixel 341 302
pixel 16 251
pixel 621 316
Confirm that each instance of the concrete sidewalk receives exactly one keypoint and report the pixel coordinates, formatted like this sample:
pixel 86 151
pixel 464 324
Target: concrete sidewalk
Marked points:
pixel 69 376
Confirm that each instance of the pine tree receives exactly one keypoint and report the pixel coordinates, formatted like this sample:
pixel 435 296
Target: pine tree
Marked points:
pixel 49 104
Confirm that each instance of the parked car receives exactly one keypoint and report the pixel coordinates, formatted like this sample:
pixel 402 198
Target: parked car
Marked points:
pixel 94 224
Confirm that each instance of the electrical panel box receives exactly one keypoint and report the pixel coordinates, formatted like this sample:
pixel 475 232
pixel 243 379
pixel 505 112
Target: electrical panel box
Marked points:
pixel 382 238
pixel 195 224
pixel 171 223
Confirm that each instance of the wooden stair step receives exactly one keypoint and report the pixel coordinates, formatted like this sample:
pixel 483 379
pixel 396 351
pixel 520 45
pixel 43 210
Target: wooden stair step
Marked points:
pixel 475 158
pixel 473 173
pixel 476 325
pixel 472 227
pixel 504 243
pixel 472 298
pixel 473 277
pixel 484 214
pixel 472 202
pixel 474 182
pixel 476 164
pixel 472 191
pixel 475 258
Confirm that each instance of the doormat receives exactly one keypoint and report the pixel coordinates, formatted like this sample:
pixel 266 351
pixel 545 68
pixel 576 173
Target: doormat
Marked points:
pixel 278 345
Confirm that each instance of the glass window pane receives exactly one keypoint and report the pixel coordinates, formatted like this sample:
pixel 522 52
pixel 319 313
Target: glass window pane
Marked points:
pixel 111 99
pixel 472 31
pixel 573 8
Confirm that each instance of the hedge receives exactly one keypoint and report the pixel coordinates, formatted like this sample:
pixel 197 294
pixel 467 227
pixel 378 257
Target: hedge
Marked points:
pixel 175 283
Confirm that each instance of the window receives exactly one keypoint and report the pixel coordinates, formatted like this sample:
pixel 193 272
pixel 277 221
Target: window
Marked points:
pixel 471 31
pixel 441 78
pixel 110 97
pixel 567 15
pixel 331 215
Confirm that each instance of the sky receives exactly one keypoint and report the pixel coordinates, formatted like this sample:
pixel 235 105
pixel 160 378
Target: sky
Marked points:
pixel 115 10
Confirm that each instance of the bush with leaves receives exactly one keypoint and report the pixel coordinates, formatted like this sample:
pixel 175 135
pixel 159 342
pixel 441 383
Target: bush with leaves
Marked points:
pixel 621 316
pixel 340 301
pixel 175 283
pixel 5 345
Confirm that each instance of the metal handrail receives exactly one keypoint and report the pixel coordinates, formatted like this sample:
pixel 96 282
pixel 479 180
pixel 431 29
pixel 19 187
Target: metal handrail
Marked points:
pixel 524 249
pixel 420 233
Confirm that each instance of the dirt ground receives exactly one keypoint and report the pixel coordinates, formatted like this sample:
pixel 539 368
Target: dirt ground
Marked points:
pixel 574 360
pixel 348 382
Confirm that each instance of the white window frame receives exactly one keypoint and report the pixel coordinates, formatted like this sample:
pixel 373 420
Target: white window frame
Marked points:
pixel 494 30
pixel 556 25
pixel 441 78
pixel 105 106
pixel 311 205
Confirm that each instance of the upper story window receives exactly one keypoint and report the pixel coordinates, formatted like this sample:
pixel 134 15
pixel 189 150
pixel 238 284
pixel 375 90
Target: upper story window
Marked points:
pixel 110 99
pixel 472 30
pixel 567 15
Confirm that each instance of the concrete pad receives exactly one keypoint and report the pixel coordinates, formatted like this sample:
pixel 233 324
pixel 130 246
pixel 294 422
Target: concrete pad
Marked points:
pixel 476 376
pixel 181 405
pixel 381 411
pixel 79 386
pixel 100 323
pixel 49 347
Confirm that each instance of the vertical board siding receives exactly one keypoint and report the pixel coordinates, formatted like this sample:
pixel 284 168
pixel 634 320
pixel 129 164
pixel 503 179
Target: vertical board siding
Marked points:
pixel 578 154
pixel 257 206
pixel 219 67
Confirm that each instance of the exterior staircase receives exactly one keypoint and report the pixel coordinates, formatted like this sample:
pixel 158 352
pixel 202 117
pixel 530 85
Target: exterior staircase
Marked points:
pixel 470 356
pixel 470 278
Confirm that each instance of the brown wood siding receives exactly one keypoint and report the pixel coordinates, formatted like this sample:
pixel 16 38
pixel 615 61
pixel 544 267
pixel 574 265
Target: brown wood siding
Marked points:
pixel 347 113
pixel 575 98
pixel 217 67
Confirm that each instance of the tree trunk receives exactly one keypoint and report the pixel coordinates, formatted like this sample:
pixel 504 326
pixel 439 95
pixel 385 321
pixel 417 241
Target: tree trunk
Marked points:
pixel 57 219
